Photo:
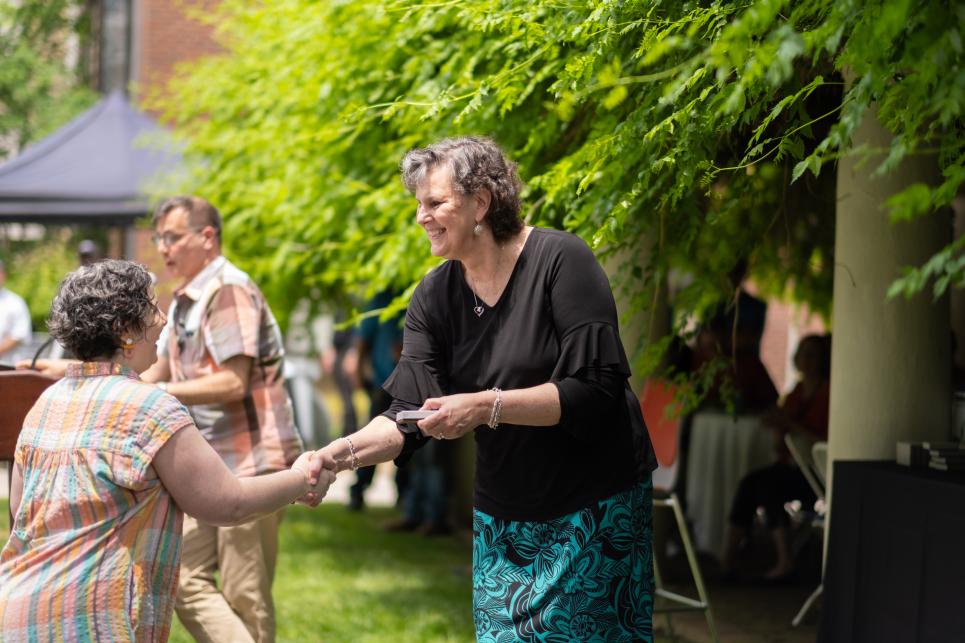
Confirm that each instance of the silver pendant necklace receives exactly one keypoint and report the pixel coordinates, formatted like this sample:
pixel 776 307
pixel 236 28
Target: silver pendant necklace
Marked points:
pixel 479 310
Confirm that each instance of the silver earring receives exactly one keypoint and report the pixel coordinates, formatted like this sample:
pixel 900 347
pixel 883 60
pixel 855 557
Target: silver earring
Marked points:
pixel 477 229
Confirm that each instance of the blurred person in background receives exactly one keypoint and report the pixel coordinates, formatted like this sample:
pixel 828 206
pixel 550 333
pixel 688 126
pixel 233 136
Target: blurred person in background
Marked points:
pixel 15 327
pixel 378 345
pixel 88 252
pixel 805 411
pixel 339 362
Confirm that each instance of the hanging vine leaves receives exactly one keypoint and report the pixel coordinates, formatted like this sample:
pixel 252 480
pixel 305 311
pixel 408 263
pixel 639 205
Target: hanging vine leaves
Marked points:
pixel 687 133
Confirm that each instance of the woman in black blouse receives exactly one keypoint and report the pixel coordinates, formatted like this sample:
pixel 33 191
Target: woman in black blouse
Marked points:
pixel 515 338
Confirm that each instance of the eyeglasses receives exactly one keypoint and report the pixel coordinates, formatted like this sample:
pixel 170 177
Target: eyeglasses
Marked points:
pixel 170 238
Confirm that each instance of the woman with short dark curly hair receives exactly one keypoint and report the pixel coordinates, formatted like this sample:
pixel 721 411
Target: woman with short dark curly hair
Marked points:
pixel 515 338
pixel 104 466
pixel 95 305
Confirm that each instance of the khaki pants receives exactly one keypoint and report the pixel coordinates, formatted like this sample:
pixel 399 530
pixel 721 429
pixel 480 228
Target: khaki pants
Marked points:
pixel 242 610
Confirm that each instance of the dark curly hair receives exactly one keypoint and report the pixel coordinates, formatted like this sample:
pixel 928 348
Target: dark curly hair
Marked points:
pixel 477 163
pixel 97 304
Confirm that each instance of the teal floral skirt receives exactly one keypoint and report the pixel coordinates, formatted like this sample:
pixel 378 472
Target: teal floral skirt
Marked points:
pixel 586 576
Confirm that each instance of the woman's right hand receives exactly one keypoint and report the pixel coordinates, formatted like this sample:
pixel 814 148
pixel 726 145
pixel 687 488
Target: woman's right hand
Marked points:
pixel 319 472
pixel 456 415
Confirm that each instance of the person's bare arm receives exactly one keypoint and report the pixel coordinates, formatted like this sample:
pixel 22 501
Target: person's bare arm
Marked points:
pixel 7 344
pixel 203 486
pixel 459 414
pixel 52 367
pixel 16 489
pixel 229 384
pixel 160 371
pixel 378 441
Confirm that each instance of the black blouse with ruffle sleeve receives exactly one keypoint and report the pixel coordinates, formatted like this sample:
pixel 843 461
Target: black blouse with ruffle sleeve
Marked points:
pixel 556 321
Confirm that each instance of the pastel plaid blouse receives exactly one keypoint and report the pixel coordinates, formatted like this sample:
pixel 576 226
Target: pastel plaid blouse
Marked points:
pixel 96 542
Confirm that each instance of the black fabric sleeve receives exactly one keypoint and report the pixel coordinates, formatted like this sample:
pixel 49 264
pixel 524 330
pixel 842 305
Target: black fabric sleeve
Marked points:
pixel 419 374
pixel 587 395
pixel 592 368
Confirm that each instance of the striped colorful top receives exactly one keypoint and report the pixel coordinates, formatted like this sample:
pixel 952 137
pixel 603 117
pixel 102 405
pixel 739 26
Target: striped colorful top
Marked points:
pixel 96 541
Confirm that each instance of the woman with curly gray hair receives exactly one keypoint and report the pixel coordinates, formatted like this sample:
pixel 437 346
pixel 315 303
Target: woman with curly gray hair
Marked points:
pixel 105 464
pixel 515 338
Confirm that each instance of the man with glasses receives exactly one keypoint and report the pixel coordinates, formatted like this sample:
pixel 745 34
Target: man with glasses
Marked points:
pixel 221 355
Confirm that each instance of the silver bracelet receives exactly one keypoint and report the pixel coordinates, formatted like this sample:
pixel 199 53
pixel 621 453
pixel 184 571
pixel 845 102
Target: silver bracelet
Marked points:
pixel 497 409
pixel 351 450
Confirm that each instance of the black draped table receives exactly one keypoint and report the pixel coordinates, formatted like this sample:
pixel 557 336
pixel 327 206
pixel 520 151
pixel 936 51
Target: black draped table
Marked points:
pixel 896 555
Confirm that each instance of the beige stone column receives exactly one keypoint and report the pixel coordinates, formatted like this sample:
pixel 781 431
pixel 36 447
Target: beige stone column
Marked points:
pixel 890 372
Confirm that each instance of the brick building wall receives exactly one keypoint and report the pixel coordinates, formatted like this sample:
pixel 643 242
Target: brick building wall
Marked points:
pixel 165 33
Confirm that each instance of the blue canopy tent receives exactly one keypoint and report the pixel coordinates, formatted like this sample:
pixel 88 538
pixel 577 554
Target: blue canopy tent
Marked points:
pixel 91 171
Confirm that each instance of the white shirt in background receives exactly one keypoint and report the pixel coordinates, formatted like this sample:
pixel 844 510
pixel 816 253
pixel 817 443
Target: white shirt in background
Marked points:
pixel 14 323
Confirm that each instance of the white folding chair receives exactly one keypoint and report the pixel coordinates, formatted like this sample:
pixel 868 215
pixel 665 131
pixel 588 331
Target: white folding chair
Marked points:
pixel 819 454
pixel 664 432
pixel 800 447
pixel 812 460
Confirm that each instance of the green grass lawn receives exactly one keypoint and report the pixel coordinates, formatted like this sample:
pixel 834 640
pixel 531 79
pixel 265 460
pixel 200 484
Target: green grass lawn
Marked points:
pixel 341 578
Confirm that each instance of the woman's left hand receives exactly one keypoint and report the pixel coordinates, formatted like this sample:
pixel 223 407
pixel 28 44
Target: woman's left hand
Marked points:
pixel 455 415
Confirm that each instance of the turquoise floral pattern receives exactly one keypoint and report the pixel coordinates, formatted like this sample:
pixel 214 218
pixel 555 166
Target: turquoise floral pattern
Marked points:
pixel 586 576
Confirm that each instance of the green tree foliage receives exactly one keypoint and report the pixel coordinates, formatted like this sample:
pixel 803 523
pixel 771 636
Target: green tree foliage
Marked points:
pixel 43 84
pixel 40 88
pixel 681 134
pixel 37 270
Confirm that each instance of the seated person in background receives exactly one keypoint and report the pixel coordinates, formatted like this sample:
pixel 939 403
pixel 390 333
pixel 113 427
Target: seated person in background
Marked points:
pixel 104 468
pixel 806 411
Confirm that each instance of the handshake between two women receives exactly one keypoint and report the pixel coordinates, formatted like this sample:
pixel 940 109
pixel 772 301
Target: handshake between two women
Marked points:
pixel 319 471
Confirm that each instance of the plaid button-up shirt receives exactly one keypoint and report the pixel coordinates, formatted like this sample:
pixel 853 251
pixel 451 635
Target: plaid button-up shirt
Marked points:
pixel 220 314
